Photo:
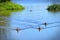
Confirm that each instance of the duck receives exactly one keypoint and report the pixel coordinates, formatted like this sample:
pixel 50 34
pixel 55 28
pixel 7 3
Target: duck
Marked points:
pixel 17 29
pixel 39 29
pixel 45 24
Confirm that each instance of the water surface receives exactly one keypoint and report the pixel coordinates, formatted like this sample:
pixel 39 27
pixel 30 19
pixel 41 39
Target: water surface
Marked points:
pixel 29 21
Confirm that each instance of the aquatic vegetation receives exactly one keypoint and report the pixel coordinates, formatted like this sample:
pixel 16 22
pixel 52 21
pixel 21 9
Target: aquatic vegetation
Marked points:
pixel 10 6
pixel 7 7
pixel 54 8
pixel 4 1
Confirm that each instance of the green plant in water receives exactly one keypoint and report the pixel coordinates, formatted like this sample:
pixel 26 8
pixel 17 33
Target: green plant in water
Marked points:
pixel 11 6
pixel 4 1
pixel 54 8
pixel 6 9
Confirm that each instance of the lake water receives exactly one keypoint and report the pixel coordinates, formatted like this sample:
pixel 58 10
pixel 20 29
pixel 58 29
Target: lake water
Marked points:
pixel 34 15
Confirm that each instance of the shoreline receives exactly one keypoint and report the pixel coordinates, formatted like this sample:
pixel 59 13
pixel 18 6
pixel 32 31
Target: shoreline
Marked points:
pixel 11 6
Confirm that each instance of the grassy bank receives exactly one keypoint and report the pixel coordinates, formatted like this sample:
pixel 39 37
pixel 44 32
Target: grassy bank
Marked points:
pixel 6 8
pixel 10 6
pixel 54 8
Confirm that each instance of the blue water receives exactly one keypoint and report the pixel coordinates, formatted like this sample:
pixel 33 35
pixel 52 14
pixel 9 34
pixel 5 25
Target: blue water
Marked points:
pixel 37 1
pixel 29 22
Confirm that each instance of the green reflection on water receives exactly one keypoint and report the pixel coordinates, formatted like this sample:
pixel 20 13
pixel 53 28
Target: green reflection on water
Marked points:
pixel 4 21
pixel 8 12
pixel 4 16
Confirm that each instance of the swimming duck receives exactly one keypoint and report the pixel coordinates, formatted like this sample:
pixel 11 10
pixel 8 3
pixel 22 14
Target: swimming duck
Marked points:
pixel 17 29
pixel 45 24
pixel 39 29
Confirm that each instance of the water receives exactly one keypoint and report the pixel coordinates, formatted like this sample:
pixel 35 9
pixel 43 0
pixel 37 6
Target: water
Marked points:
pixel 29 21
